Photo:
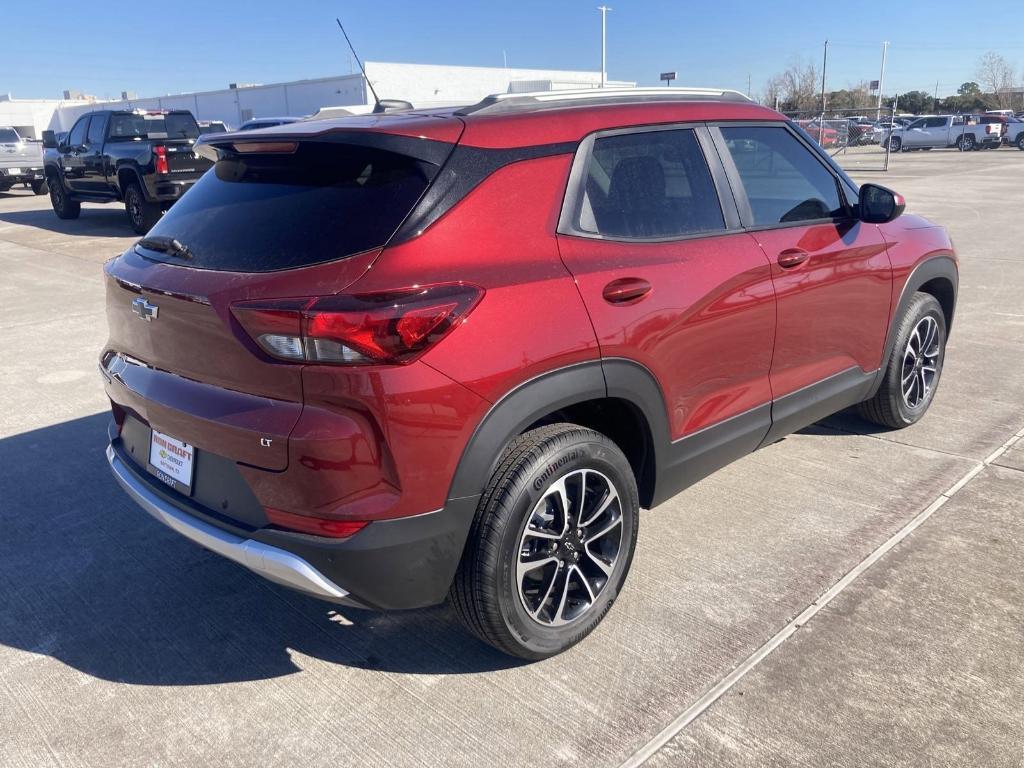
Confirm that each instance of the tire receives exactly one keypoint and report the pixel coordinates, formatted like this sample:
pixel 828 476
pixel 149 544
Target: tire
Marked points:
pixel 518 609
pixel 895 144
pixel 62 206
pixel 907 390
pixel 5 187
pixel 1020 141
pixel 142 214
pixel 40 187
pixel 966 143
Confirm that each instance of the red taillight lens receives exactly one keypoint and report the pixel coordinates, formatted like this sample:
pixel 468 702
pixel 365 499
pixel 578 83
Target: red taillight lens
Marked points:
pixel 318 526
pixel 160 158
pixel 392 327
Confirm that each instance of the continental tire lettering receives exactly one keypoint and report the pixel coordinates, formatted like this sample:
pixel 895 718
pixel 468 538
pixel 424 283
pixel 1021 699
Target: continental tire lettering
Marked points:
pixel 557 464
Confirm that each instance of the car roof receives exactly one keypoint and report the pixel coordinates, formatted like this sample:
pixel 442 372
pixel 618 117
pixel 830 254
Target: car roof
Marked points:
pixel 531 119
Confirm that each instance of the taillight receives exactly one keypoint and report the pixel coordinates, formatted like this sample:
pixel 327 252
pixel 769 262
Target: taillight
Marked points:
pixel 362 329
pixel 318 526
pixel 160 155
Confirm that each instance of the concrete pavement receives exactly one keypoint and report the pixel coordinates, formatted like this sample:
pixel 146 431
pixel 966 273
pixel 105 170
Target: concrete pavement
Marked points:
pixel 122 644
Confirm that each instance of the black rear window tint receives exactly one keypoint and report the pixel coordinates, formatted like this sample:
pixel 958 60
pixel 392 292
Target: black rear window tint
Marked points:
pixel 8 136
pixel 173 126
pixel 261 213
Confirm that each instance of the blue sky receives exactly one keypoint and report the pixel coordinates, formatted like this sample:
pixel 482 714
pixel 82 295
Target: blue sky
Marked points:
pixel 107 46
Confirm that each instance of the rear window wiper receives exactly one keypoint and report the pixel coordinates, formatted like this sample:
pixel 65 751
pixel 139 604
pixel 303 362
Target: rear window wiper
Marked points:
pixel 168 245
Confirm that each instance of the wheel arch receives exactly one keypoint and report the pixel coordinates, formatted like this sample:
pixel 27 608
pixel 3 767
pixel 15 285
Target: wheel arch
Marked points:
pixel 619 398
pixel 937 275
pixel 127 174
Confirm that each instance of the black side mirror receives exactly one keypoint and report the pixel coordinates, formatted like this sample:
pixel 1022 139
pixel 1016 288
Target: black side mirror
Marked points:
pixel 49 140
pixel 879 205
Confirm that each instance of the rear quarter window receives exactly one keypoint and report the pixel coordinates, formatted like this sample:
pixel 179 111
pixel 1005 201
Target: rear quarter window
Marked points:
pixel 648 184
pixel 259 213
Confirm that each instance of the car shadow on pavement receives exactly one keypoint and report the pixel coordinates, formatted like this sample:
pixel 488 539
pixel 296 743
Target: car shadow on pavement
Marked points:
pixel 105 221
pixel 89 579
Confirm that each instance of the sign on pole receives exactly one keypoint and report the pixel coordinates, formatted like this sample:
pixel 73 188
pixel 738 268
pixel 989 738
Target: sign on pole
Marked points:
pixel 668 77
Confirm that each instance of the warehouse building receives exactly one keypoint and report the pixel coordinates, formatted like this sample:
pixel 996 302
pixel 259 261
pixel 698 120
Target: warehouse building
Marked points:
pixel 424 85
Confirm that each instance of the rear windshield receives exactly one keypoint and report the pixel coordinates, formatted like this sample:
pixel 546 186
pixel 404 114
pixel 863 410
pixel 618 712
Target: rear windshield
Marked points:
pixel 8 136
pixel 173 126
pixel 265 212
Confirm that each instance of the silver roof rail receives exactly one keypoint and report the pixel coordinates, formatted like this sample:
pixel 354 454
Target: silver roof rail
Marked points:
pixel 508 102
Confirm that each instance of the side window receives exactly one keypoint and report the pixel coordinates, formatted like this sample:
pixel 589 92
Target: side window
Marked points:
pixel 784 181
pixel 97 129
pixel 648 184
pixel 77 136
pixel 918 124
pixel 936 122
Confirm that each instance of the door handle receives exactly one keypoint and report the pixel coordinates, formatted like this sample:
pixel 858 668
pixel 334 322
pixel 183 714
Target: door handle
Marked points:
pixel 626 290
pixel 792 256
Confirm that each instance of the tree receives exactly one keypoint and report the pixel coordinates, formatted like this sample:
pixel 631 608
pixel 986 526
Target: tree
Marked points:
pixel 969 90
pixel 795 89
pixel 995 73
pixel 915 102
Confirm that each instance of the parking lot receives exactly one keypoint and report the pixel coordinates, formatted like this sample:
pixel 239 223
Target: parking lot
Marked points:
pixel 844 597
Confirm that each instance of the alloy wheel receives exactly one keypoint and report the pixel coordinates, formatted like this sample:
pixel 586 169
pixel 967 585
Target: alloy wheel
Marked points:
pixel 921 362
pixel 569 547
pixel 134 207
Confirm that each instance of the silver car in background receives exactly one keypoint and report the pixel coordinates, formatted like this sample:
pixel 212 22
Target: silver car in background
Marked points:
pixel 21 162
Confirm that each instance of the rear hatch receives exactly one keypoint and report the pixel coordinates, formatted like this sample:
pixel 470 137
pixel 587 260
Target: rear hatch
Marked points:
pixel 172 135
pixel 301 218
pixel 17 153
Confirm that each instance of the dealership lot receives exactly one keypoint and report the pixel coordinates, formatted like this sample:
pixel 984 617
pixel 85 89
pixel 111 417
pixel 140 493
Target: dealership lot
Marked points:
pixel 122 644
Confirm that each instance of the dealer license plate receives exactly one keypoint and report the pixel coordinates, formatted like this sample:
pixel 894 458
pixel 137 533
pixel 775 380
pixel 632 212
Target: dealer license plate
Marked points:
pixel 172 460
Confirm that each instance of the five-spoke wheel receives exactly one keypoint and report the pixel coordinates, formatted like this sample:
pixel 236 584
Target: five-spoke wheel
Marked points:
pixel 912 371
pixel 569 547
pixel 551 542
pixel 920 362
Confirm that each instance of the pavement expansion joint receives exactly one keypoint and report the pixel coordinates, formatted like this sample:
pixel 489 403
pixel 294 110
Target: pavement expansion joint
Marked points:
pixel 695 710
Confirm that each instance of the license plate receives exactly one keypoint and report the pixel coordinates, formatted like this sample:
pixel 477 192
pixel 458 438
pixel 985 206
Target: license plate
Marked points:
pixel 171 460
pixel 14 171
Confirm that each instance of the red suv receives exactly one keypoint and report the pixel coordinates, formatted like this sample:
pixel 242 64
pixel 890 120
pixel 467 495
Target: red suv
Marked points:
pixel 392 358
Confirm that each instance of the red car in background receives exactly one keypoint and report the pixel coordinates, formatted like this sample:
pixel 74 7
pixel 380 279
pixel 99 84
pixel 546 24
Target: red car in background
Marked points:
pixel 826 136
pixel 390 359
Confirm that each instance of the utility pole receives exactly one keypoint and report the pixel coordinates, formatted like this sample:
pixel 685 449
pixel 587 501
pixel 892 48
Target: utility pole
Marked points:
pixel 881 79
pixel 824 68
pixel 936 105
pixel 748 85
pixel 604 23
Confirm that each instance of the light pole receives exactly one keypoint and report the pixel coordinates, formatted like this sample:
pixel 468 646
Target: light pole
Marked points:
pixel 881 80
pixel 604 23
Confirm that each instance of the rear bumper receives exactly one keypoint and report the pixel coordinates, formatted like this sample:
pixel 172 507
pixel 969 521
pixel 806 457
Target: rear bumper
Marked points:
pixel 167 189
pixel 272 563
pixel 402 563
pixel 24 175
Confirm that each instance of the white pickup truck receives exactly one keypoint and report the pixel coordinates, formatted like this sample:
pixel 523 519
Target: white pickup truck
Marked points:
pixel 21 162
pixel 944 131
pixel 1015 133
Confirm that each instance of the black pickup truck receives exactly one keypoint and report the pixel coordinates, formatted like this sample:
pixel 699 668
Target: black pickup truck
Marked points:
pixel 144 159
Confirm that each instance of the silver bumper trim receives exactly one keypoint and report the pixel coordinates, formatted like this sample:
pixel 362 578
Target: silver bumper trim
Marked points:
pixel 272 563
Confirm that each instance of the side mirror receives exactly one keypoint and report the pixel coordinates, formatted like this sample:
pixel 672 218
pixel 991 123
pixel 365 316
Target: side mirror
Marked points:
pixel 49 140
pixel 879 205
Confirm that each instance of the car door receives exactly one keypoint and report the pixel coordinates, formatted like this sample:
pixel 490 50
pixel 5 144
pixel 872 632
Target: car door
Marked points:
pixel 650 233
pixel 831 272
pixel 94 179
pixel 914 135
pixel 937 132
pixel 71 154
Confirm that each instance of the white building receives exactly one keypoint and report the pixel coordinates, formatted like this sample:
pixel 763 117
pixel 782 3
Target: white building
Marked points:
pixel 31 116
pixel 422 84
